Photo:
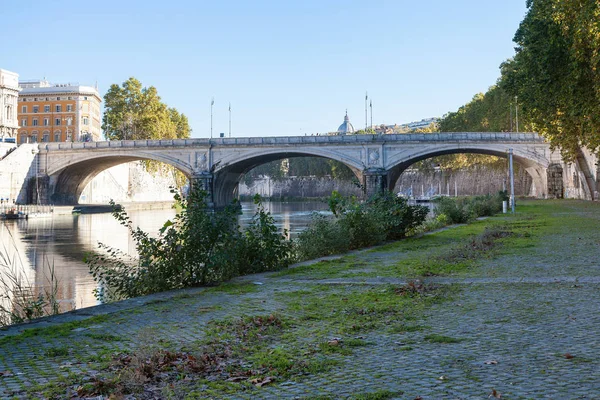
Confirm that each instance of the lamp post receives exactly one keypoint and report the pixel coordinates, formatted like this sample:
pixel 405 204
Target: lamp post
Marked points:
pixel 517 112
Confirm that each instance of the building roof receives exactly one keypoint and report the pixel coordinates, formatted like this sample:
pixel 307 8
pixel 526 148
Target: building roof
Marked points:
pixel 346 127
pixel 31 88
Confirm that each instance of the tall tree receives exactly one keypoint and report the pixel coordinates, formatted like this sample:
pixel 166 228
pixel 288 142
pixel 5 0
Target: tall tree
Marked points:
pixel 556 72
pixel 134 112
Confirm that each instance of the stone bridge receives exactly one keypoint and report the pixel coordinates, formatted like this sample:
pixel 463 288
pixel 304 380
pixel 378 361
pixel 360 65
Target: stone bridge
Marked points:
pixel 218 164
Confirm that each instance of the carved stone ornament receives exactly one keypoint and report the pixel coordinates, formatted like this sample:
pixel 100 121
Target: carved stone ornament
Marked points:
pixel 201 161
pixel 373 156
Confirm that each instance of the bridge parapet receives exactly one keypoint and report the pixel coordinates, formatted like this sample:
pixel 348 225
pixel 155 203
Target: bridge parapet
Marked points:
pixel 496 137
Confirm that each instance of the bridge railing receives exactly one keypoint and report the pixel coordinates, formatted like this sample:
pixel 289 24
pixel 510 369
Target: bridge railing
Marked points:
pixel 281 140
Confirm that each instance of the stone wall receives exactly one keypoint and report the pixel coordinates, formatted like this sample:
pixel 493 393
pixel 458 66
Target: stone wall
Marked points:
pixel 299 187
pixel 126 183
pixel 476 181
pixel 16 169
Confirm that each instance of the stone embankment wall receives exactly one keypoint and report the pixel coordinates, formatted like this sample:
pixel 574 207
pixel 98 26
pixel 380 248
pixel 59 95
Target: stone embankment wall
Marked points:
pixel 466 182
pixel 128 182
pixel 16 169
pixel 475 181
pixel 298 187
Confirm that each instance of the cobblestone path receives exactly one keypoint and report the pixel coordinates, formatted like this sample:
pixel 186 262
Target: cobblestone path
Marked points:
pixel 525 325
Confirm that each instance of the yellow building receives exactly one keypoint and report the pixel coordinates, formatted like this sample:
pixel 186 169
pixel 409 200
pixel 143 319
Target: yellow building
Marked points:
pixel 58 113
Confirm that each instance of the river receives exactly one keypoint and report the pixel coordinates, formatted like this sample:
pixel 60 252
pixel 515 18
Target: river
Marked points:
pixel 37 248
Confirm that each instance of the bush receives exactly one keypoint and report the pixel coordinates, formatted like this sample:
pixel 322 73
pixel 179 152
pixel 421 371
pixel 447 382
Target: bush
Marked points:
pixel 464 209
pixel 359 224
pixel 199 247
pixel 322 238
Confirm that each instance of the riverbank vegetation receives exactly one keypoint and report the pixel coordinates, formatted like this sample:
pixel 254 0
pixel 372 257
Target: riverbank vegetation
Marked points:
pixel 200 247
pixel 20 300
pixel 357 224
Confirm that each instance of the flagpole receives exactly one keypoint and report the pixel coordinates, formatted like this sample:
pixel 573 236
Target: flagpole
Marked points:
pixel 212 103
pixel 230 119
pixel 366 98
pixel 371 106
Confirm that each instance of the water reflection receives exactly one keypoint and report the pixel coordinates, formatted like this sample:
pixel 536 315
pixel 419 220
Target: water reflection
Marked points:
pixel 35 247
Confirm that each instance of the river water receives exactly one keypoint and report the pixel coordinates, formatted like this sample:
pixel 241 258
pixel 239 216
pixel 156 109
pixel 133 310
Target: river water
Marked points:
pixel 37 248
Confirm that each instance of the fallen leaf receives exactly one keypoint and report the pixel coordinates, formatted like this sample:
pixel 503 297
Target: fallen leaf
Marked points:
pixel 495 394
pixel 568 356
pixel 6 373
pixel 491 362
pixel 237 378
pixel 443 378
pixel 418 398
pixel 261 382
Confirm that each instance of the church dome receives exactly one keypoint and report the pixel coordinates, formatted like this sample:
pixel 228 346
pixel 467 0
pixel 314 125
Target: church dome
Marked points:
pixel 346 127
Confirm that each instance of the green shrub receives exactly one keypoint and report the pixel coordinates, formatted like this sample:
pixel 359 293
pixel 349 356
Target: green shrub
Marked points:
pixel 463 209
pixel 322 238
pixel 199 247
pixel 359 224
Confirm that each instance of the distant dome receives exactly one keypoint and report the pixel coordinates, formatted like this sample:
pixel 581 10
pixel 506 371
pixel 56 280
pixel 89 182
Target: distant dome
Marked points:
pixel 346 127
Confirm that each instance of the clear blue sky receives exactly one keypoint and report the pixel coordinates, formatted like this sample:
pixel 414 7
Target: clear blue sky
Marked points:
pixel 288 67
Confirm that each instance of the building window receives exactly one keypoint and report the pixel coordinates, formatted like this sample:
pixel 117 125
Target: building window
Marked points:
pixel 46 121
pixel 24 138
pixel 57 136
pixel 85 97
pixel 46 108
pixel 69 121
pixel 58 98
pixel 33 139
pixel 24 109
pixel 69 107
pixel 36 109
pixel 57 121
pixel 35 99
pixel 24 122
pixel 46 137
pixel 86 121
pixel 47 99
pixel 35 122
pixel 58 108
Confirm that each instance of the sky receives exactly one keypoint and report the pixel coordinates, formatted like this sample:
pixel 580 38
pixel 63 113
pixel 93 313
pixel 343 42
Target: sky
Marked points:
pixel 288 67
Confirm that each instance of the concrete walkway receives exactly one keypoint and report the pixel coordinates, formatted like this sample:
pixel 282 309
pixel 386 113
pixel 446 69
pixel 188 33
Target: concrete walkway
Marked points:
pixel 526 324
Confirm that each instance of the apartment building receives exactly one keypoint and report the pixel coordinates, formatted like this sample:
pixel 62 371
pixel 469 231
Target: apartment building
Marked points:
pixel 58 113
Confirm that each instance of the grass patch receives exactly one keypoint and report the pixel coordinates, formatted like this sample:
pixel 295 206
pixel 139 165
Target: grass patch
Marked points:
pixel 377 395
pixel 435 338
pixel 59 330
pixel 235 288
pixel 105 337
pixel 57 352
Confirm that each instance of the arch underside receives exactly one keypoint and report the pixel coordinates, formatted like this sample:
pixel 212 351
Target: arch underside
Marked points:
pixel 70 182
pixel 533 167
pixel 227 178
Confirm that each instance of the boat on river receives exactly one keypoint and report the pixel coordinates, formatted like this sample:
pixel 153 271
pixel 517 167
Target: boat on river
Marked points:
pixel 25 212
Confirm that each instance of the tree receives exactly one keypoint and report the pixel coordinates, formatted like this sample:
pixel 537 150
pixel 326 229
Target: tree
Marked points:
pixel 556 72
pixel 133 112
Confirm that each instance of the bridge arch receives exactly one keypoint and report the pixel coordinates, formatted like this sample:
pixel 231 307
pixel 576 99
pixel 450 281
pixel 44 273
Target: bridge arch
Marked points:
pixel 228 173
pixel 68 179
pixel 534 163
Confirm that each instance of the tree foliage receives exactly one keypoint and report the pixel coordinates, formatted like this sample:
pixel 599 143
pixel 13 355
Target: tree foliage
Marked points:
pixel 198 247
pixel 556 72
pixel 493 111
pixel 134 112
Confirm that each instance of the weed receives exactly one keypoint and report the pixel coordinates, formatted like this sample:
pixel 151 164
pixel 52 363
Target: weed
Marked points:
pixel 57 352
